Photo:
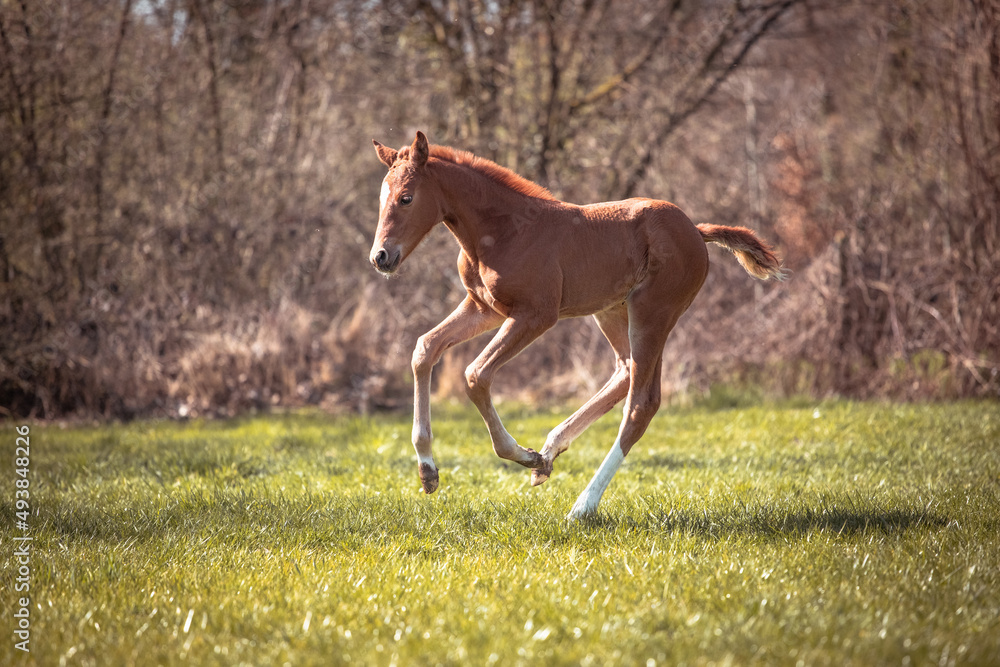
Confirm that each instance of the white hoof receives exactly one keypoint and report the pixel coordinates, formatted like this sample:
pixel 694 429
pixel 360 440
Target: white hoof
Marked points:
pixel 580 510
pixel 588 501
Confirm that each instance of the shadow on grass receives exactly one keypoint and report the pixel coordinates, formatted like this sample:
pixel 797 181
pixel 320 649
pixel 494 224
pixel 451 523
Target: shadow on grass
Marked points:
pixel 261 518
pixel 670 462
pixel 767 522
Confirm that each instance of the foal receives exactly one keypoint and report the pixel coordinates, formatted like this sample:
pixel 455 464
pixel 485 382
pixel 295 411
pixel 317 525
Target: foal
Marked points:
pixel 528 260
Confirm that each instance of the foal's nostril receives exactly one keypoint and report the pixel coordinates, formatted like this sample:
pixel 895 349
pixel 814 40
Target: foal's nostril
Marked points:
pixel 385 261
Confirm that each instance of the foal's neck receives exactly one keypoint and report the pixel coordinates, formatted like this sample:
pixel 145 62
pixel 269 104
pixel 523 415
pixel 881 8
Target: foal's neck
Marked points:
pixel 475 204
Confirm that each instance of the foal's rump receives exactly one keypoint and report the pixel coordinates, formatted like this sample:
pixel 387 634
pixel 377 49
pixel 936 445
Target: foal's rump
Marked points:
pixel 753 254
pixel 610 250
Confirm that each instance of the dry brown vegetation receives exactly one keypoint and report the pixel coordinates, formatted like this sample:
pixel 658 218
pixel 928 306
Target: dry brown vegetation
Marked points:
pixel 188 193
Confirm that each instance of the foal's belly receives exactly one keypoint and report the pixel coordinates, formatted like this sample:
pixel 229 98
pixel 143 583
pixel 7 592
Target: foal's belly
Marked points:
pixel 604 263
pixel 603 288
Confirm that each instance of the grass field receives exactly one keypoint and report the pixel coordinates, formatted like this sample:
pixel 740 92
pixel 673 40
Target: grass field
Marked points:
pixel 828 533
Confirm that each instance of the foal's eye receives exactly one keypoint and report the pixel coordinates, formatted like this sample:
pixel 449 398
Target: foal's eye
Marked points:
pixel 405 199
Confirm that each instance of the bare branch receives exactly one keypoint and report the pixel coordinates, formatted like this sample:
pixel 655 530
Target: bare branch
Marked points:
pixel 692 105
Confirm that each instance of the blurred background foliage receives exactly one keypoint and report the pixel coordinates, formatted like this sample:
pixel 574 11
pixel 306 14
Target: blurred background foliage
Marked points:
pixel 188 191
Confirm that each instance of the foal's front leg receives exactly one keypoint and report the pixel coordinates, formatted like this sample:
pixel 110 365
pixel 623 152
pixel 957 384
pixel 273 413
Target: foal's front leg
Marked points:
pixel 467 321
pixel 516 334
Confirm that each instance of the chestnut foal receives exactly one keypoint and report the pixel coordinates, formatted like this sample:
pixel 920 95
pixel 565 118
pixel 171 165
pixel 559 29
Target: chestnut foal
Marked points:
pixel 527 260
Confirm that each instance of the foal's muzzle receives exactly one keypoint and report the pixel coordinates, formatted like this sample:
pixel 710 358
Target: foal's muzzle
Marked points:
pixel 386 261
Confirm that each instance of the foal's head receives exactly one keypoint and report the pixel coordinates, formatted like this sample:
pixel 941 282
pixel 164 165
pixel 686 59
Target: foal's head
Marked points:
pixel 408 205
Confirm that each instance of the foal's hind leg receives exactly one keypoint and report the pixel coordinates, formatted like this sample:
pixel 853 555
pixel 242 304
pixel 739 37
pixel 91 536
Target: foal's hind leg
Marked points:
pixel 614 325
pixel 648 333
pixel 643 402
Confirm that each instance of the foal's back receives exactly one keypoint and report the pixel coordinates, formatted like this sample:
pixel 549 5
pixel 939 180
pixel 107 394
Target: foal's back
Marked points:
pixel 608 250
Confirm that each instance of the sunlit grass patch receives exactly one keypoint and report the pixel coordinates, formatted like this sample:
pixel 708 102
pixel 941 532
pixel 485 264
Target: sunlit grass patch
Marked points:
pixel 834 533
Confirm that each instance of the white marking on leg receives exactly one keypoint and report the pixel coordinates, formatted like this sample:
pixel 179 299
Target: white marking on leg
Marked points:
pixel 421 439
pixel 557 441
pixel 591 496
pixel 425 461
pixel 421 436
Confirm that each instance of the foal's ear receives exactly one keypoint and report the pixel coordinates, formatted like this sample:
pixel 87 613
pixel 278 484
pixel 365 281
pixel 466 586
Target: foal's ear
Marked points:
pixel 419 150
pixel 385 154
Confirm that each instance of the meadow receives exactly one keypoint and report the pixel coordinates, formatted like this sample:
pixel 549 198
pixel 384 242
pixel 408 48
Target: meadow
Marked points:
pixel 795 533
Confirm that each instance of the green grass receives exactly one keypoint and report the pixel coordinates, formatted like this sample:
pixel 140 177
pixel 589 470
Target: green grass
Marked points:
pixel 835 533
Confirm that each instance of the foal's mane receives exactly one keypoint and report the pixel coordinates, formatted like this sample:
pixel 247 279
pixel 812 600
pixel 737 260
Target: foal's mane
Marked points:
pixel 491 170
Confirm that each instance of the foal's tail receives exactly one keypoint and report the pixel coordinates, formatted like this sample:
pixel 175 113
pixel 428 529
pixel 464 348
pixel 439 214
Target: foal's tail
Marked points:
pixel 753 254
